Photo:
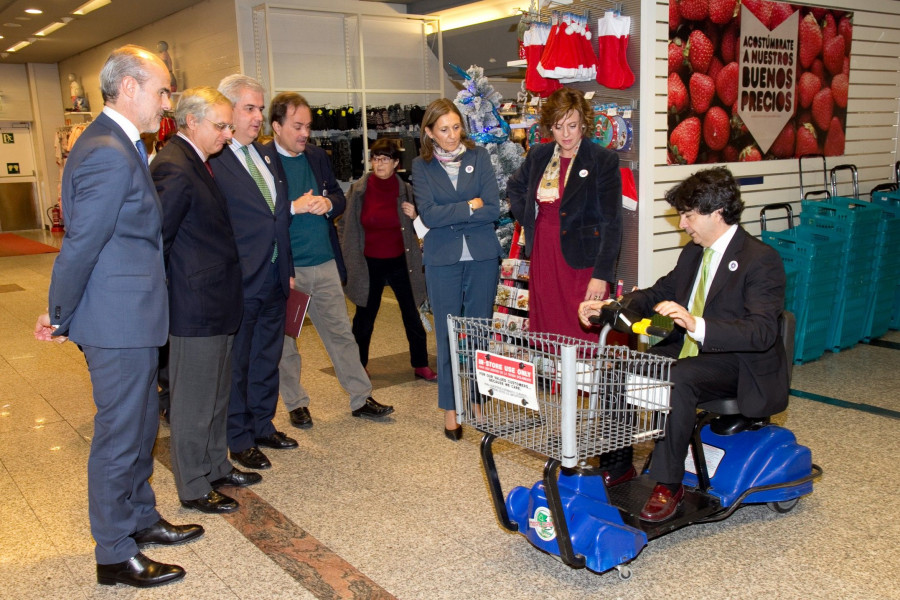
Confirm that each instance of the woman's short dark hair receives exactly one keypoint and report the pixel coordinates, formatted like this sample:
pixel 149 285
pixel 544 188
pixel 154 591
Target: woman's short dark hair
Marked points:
pixel 385 147
pixel 433 112
pixel 562 102
pixel 706 192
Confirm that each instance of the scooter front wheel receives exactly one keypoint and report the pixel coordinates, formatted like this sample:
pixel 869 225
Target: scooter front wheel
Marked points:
pixel 784 506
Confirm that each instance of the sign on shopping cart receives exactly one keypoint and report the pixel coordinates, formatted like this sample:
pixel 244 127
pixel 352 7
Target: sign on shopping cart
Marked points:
pixel 506 379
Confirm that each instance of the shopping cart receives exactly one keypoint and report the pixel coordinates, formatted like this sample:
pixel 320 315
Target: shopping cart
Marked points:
pixel 570 401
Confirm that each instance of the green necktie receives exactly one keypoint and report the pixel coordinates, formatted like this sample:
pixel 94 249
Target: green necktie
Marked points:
pixel 263 188
pixel 690 346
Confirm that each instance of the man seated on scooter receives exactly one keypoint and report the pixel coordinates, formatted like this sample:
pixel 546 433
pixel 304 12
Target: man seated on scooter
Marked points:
pixel 725 295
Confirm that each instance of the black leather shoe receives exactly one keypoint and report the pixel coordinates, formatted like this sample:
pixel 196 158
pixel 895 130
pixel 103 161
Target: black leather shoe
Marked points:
pixel 277 440
pixel 139 571
pixel 213 503
pixel 164 533
pixel 301 418
pixel 237 479
pixel 251 458
pixel 373 410
pixel 454 434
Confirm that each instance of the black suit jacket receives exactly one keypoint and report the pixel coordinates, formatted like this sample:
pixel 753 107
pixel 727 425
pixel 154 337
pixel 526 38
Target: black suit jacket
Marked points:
pixel 590 214
pixel 255 227
pixel 741 312
pixel 202 262
pixel 328 187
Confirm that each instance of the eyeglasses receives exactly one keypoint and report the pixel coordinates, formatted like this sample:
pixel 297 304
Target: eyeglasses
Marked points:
pixel 382 159
pixel 221 126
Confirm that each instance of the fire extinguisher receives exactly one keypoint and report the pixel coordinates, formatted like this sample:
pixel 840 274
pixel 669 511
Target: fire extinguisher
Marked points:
pixel 54 213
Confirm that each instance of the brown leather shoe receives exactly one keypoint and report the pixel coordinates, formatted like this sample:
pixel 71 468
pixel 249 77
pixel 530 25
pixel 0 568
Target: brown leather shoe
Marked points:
pixel 628 475
pixel 662 504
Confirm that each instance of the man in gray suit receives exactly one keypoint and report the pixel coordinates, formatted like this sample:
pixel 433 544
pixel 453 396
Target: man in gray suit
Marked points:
pixel 108 294
pixel 205 300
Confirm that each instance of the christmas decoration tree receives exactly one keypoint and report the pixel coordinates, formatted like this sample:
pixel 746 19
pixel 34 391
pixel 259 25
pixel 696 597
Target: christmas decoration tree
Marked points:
pixel 479 102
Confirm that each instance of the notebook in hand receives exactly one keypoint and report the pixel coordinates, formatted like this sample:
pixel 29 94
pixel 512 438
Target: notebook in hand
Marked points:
pixel 297 304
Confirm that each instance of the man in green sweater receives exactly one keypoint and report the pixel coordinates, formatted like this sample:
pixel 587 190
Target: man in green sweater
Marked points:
pixel 318 265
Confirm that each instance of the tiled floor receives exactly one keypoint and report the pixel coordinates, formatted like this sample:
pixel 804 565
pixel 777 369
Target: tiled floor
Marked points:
pixel 380 510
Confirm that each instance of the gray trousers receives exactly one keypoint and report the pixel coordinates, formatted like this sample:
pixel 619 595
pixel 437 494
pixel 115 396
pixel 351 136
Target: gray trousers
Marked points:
pixel 328 313
pixel 200 388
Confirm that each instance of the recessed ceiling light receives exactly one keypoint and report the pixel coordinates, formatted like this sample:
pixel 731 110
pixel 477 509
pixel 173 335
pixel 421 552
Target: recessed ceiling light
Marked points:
pixel 34 11
pixel 52 27
pixel 90 6
pixel 12 24
pixel 18 46
pixel 23 18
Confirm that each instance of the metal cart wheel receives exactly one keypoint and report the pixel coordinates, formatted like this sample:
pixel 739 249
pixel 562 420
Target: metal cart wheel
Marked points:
pixel 784 506
pixel 625 572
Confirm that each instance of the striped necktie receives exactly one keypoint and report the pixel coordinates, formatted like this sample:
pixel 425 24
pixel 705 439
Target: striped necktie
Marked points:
pixel 263 187
pixel 690 347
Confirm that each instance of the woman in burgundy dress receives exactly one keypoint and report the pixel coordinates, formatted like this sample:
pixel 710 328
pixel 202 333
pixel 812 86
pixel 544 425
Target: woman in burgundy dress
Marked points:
pixel 567 196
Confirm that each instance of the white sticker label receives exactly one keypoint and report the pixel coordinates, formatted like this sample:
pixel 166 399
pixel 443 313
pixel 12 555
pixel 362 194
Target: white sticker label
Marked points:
pixel 713 457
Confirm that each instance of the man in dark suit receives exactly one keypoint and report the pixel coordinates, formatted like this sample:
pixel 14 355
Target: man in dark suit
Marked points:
pixel 317 200
pixel 725 295
pixel 108 294
pixel 205 300
pixel 260 215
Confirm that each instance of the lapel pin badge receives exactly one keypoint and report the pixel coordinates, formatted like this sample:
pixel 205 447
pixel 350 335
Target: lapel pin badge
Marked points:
pixel 582 173
pixel 469 169
pixel 733 265
pixel 266 158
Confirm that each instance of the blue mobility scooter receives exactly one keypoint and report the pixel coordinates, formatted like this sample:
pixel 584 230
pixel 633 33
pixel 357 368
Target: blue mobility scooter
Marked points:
pixel 582 400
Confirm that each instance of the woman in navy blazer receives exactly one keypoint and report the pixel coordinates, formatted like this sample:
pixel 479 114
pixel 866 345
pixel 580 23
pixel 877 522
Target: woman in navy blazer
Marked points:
pixel 456 193
pixel 567 196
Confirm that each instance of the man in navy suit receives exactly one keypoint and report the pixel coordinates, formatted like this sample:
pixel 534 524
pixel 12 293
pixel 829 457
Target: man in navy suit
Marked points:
pixel 725 295
pixel 260 215
pixel 108 294
pixel 205 301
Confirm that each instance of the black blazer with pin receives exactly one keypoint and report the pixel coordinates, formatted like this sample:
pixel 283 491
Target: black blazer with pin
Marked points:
pixel 255 227
pixel 741 312
pixel 590 214
pixel 202 262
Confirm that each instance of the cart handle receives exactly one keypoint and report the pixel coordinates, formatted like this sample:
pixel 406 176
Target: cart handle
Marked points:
pixel 812 193
pixel 777 206
pixel 884 187
pixel 853 175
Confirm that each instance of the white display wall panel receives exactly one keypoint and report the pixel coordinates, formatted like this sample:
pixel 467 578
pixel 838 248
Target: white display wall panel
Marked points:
pixel 338 58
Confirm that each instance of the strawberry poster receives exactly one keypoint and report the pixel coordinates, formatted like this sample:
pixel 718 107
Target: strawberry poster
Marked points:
pixel 756 80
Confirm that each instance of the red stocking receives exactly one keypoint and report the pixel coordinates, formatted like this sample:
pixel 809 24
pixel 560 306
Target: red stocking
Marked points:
pixel 612 41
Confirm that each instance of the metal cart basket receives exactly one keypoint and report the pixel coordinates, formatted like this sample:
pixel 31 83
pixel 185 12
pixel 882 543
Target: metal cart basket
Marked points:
pixel 565 398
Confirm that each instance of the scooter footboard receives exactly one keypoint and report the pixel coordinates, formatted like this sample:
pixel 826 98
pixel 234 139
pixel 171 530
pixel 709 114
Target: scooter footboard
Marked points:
pixel 760 458
pixel 595 527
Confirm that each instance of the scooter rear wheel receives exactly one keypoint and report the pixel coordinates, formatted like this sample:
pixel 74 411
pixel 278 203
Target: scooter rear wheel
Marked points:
pixel 784 506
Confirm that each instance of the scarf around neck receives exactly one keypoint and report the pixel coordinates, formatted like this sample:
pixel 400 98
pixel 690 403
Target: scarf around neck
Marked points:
pixel 548 190
pixel 450 160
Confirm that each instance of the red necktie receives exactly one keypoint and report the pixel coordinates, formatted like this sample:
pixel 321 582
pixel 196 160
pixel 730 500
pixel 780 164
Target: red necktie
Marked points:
pixel 208 168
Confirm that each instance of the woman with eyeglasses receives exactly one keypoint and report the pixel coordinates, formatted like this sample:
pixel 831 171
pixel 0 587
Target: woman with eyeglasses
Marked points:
pixel 380 247
pixel 458 199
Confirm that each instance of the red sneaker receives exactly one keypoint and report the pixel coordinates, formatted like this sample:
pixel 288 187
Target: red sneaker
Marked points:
pixel 425 373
